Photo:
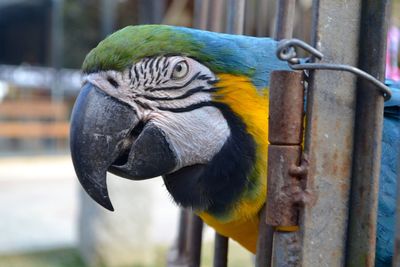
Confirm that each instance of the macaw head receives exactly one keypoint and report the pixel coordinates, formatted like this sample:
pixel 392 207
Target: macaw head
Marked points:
pixel 183 104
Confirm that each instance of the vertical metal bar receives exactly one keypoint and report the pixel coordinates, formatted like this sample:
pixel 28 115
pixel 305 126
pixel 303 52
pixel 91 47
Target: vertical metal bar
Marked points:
pixel 178 255
pixel 368 135
pixel 265 17
pixel 201 10
pixel 183 233
pixel 235 16
pixel 57 34
pixel 57 41
pixel 145 11
pixel 250 17
pixel 220 251
pixel 284 19
pixel 158 10
pixel 108 16
pixel 195 238
pixel 264 242
pixel 217 15
pixel 329 135
pixel 262 18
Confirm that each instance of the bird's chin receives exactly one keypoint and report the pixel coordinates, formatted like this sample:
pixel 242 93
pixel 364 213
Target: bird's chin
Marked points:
pixel 187 186
pixel 189 172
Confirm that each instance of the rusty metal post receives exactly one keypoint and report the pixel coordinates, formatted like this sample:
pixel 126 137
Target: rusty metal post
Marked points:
pixel 235 16
pixel 368 135
pixel 329 135
pixel 285 11
pixel 284 186
pixel 285 137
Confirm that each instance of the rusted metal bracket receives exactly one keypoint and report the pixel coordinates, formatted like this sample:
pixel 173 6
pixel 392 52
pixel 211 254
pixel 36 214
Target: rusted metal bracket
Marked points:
pixel 285 174
pixel 287 168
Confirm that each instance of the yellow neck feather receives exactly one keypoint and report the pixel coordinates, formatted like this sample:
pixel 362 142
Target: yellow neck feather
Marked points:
pixel 251 105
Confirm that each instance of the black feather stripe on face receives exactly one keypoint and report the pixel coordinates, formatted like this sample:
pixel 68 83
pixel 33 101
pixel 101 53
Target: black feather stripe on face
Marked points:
pixel 224 178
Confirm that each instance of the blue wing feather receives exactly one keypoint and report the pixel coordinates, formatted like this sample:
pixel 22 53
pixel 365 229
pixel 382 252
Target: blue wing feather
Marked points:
pixel 388 182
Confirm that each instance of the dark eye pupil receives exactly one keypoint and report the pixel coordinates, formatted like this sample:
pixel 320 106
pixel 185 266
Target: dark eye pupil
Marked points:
pixel 179 68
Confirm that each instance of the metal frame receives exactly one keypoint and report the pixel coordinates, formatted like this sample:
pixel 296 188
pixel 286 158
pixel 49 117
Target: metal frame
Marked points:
pixel 368 135
pixel 338 130
pixel 329 136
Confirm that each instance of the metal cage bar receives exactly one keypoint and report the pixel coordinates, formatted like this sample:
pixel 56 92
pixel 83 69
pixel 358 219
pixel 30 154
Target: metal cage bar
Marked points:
pixel 284 19
pixel 264 242
pixel 217 15
pixel 178 255
pixel 368 135
pixel 331 141
pixel 195 240
pixel 201 14
pixel 329 135
pixel 220 251
pixel 235 16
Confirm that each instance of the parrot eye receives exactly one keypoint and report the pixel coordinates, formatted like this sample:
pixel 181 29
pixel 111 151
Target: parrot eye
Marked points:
pixel 180 70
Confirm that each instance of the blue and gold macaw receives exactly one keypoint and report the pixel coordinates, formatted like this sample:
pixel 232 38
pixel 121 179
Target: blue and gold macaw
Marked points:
pixel 190 106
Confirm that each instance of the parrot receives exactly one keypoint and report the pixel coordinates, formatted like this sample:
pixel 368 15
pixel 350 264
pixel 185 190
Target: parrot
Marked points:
pixel 191 106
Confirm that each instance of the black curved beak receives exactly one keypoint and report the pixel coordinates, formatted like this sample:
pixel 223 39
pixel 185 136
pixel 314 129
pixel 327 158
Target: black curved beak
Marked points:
pixel 106 135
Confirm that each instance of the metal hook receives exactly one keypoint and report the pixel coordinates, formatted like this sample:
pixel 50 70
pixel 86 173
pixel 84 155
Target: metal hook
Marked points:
pixel 286 51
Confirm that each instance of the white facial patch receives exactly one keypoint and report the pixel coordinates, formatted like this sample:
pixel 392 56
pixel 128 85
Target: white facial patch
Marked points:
pixel 196 136
pixel 172 93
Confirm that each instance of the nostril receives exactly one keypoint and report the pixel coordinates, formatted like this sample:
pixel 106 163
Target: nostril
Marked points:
pixel 126 145
pixel 137 130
